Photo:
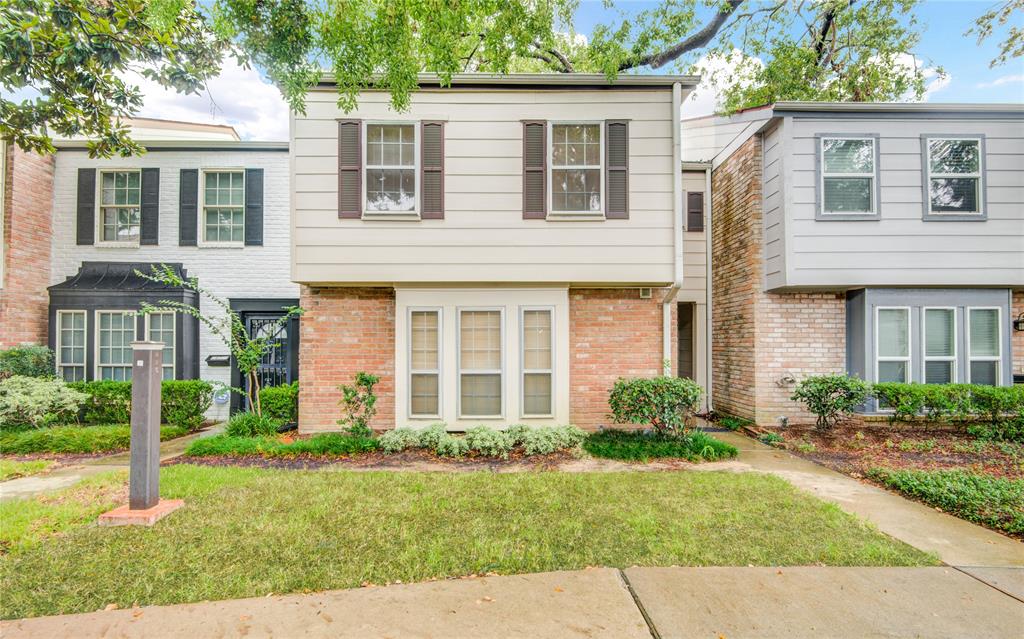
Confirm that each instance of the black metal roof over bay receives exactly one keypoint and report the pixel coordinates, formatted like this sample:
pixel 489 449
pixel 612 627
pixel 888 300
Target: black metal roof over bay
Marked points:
pixel 118 276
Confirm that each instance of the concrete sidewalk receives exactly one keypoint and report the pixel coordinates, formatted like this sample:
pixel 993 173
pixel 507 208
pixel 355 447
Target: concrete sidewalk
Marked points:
pixel 638 603
pixel 956 542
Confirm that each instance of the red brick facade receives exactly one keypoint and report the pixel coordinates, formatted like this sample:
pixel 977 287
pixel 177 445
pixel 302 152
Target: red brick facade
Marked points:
pixel 344 331
pixel 612 333
pixel 27 230
pixel 763 342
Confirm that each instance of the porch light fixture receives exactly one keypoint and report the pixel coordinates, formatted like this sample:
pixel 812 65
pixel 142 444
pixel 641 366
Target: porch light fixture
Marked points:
pixel 1018 324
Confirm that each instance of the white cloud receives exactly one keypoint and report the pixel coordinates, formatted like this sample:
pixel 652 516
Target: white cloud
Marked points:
pixel 238 97
pixel 706 98
pixel 1001 80
pixel 933 82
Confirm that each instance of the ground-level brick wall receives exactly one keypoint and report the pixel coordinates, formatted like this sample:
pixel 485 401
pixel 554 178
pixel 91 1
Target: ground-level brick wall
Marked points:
pixel 612 333
pixel 27 230
pixel 1017 339
pixel 344 331
pixel 762 342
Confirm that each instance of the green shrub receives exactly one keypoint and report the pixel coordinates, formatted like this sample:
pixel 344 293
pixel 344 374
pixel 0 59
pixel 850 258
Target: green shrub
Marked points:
pixel 544 440
pixel 76 439
pixel 324 445
pixel 831 397
pixel 950 401
pixel 37 401
pixel 109 402
pixel 432 435
pixel 451 446
pixel 992 501
pixel 399 439
pixel 733 423
pixel 251 425
pixel 27 360
pixel 184 402
pixel 665 403
pixel 1007 430
pixel 647 445
pixel 359 404
pixel 997 402
pixel 281 402
pixel 488 441
pixel 771 439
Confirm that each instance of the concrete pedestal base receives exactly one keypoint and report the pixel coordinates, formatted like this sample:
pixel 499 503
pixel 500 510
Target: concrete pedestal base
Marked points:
pixel 124 516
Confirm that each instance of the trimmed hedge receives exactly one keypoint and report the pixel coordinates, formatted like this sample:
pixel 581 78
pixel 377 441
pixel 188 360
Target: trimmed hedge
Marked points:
pixel 642 446
pixel 950 402
pixel 664 403
pixel 281 402
pixel 327 444
pixel 76 439
pixel 992 501
pixel 182 402
pixel 29 360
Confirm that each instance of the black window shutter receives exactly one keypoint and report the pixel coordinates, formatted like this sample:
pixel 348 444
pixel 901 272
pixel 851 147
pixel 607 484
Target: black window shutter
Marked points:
pixel 350 169
pixel 617 169
pixel 254 207
pixel 188 207
pixel 149 233
pixel 535 153
pixel 432 171
pixel 695 211
pixel 85 222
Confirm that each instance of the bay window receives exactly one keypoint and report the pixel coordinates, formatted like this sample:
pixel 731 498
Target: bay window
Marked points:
pixel 953 168
pixel 71 345
pixel 480 363
pixel 984 346
pixel 893 345
pixel 425 363
pixel 115 332
pixel 576 151
pixel 160 328
pixel 537 362
pixel 848 175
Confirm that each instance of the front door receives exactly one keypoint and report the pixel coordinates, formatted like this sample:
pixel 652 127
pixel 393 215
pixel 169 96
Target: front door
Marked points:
pixel 275 367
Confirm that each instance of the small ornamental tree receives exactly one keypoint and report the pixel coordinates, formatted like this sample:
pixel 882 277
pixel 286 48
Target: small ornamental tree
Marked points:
pixel 663 402
pixel 359 404
pixel 831 397
pixel 248 351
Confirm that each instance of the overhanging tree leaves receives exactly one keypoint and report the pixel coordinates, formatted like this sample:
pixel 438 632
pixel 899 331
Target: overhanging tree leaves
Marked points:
pixel 1007 15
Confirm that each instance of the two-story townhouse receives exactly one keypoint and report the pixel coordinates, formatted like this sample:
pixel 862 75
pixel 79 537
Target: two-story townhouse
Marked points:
pixel 210 205
pixel 881 240
pixel 499 253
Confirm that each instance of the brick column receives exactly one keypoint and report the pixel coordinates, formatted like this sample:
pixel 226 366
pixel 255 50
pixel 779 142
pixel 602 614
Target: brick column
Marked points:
pixel 27 231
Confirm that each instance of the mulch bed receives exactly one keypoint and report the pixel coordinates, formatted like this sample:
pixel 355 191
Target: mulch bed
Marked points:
pixel 410 459
pixel 854 449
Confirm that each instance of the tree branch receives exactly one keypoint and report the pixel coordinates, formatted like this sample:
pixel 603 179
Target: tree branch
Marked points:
pixel 695 41
pixel 553 57
pixel 826 27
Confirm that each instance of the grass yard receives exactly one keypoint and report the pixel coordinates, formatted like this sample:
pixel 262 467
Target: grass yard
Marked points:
pixel 10 469
pixel 248 532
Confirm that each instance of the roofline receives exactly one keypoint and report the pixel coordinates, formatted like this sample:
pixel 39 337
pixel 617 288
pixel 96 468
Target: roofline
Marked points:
pixel 898 107
pixel 543 80
pixel 187 145
pixel 179 124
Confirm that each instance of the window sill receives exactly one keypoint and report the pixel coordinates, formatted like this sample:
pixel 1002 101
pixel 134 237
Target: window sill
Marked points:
pixel 847 217
pixel 118 245
pixel 576 217
pixel 221 245
pixel 391 217
pixel 954 217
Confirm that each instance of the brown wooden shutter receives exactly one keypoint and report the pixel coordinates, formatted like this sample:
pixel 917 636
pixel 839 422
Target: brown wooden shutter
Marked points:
pixel 534 170
pixel 432 169
pixel 617 169
pixel 350 169
pixel 694 211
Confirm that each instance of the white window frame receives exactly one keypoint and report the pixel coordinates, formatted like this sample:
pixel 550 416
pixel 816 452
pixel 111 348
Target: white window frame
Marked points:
pixel 925 358
pixel 96 335
pixel 458 361
pixel 998 359
pixel 174 340
pixel 416 167
pixel 422 371
pixel 929 176
pixel 908 377
pixel 203 242
pixel 551 168
pixel 873 175
pixel 98 230
pixel 60 365
pixel 523 371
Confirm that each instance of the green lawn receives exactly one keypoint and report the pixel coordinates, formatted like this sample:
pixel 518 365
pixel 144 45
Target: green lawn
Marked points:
pixel 13 469
pixel 249 532
pixel 102 438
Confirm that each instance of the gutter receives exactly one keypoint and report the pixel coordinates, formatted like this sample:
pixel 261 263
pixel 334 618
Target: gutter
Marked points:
pixel 677 232
pixel 709 334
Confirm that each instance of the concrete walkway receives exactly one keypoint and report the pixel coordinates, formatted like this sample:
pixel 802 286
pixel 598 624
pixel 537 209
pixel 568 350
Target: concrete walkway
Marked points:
pixel 637 603
pixel 955 541
pixel 24 487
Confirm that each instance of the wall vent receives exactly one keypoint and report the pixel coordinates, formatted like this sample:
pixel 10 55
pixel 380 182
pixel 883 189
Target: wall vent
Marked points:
pixel 645 293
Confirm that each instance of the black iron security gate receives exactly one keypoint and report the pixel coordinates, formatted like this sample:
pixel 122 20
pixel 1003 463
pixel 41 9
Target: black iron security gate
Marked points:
pixel 274 369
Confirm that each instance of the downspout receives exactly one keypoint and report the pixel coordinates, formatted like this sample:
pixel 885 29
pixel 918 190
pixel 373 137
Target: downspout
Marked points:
pixel 708 333
pixel 677 232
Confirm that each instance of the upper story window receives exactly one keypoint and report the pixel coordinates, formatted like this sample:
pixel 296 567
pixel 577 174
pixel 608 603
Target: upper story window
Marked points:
pixel 576 151
pixel 120 207
pixel 954 176
pixel 223 207
pixel 848 176
pixel 391 174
